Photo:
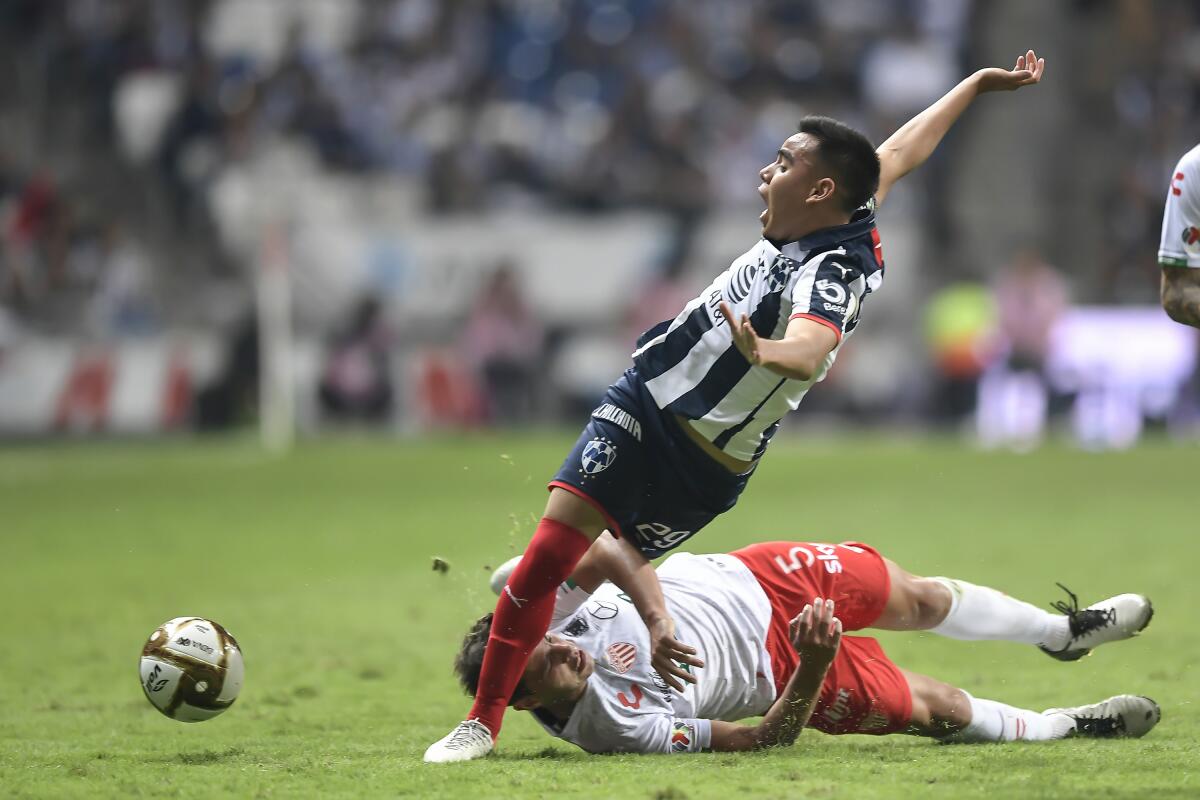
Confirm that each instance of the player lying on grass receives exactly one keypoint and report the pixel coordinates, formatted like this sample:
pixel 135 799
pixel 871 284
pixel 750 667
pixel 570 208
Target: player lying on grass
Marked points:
pixel 763 619
pixel 675 440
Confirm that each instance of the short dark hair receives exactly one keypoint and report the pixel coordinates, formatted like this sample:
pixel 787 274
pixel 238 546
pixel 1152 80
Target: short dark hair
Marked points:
pixel 849 155
pixel 469 661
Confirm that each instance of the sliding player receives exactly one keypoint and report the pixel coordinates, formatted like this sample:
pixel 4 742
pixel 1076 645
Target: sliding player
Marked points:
pixel 1179 247
pixel 764 620
pixel 676 439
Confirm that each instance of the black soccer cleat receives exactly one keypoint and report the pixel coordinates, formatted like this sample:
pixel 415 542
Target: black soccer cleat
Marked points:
pixel 1111 620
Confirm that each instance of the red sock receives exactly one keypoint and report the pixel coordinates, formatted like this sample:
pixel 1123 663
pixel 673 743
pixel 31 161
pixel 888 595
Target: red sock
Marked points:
pixel 519 625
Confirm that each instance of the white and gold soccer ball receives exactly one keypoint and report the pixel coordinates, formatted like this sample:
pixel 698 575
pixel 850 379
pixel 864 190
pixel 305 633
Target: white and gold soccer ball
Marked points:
pixel 191 669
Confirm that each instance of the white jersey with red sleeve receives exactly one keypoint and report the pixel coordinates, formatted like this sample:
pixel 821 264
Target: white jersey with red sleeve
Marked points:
pixel 1180 242
pixel 720 609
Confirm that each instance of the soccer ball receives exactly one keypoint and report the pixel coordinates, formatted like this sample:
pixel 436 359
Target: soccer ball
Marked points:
pixel 191 669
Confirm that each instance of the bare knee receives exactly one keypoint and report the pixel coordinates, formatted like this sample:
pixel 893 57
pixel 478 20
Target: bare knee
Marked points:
pixel 932 601
pixel 939 709
pixel 914 604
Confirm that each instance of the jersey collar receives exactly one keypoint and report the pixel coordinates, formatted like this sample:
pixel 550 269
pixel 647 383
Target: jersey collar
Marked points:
pixel 860 223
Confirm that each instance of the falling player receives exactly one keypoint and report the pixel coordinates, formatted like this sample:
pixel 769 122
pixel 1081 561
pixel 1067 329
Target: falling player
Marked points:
pixel 1179 246
pixel 676 439
pixel 764 619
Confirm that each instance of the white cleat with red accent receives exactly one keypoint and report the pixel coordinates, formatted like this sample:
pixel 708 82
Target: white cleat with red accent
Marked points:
pixel 1124 716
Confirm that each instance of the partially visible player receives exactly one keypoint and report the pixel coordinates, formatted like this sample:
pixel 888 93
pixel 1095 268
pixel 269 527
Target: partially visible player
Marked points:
pixel 764 620
pixel 1179 246
pixel 676 439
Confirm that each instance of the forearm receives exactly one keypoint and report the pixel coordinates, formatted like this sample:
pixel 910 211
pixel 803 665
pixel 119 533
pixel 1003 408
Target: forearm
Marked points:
pixel 1181 294
pixel 910 146
pixel 593 569
pixel 797 359
pixel 625 566
pixel 790 713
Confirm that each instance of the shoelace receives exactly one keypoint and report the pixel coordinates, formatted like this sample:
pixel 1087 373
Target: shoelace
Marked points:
pixel 463 736
pixel 1085 620
pixel 1100 726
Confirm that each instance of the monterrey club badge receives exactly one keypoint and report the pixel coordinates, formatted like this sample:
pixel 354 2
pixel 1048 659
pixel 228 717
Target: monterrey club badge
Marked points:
pixel 598 455
pixel 621 656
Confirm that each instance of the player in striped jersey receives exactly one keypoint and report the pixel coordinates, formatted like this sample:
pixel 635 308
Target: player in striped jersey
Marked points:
pixel 676 439
pixel 1179 247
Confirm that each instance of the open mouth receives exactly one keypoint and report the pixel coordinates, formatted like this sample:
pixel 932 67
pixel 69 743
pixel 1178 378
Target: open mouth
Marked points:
pixel 762 192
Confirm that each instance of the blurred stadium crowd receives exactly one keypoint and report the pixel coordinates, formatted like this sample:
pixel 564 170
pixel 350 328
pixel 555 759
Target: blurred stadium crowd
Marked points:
pixel 154 154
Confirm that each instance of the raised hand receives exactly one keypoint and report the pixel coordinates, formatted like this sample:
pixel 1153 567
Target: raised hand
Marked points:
pixel 744 336
pixel 669 654
pixel 1028 71
pixel 816 633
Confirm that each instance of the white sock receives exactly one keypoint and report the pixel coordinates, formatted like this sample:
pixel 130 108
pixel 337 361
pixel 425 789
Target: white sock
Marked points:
pixel 996 722
pixel 567 600
pixel 978 613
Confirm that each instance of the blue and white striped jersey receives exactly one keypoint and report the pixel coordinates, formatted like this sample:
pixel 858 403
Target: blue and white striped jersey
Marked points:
pixel 691 366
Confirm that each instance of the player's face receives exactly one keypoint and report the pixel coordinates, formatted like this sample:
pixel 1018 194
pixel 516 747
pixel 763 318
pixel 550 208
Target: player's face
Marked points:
pixel 791 185
pixel 557 671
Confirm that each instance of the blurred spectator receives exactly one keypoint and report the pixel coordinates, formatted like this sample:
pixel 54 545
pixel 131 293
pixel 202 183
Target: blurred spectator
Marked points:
pixel 232 397
pixel 32 241
pixel 1017 397
pixel 1031 296
pixel 504 341
pixel 356 383
pixel 123 303
pixel 960 321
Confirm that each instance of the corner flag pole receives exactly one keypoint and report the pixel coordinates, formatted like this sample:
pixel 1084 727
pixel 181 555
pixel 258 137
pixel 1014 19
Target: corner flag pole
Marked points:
pixel 276 395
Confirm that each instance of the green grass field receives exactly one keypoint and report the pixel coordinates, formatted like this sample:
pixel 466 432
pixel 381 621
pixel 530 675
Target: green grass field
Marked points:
pixel 320 564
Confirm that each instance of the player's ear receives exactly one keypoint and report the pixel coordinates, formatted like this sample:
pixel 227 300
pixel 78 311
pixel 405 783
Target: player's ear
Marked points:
pixel 822 190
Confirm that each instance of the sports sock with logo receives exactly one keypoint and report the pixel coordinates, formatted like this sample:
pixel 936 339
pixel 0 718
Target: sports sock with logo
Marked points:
pixel 978 613
pixel 997 722
pixel 523 615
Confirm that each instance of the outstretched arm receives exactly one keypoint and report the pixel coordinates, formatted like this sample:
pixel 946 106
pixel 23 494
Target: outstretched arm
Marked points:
pixel 909 147
pixel 816 634
pixel 623 564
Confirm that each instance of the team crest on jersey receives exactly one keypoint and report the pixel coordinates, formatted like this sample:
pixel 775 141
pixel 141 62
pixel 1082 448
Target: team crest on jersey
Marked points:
pixel 1191 235
pixel 598 455
pixel 682 737
pixel 781 270
pixel 621 655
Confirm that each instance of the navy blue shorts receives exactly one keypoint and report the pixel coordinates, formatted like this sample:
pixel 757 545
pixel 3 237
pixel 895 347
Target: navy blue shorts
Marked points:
pixel 633 463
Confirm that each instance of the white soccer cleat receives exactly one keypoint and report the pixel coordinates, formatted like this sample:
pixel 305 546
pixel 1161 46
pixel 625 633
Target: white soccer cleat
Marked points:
pixel 1124 716
pixel 1111 620
pixel 469 740
pixel 500 575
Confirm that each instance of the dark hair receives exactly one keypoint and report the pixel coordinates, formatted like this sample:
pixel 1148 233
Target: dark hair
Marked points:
pixel 849 155
pixel 469 661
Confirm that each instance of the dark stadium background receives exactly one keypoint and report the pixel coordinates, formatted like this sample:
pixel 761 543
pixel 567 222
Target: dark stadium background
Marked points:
pixel 473 208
